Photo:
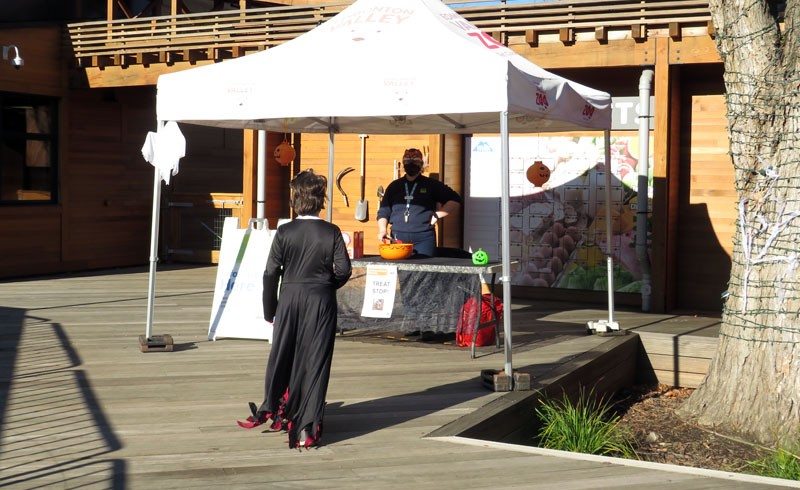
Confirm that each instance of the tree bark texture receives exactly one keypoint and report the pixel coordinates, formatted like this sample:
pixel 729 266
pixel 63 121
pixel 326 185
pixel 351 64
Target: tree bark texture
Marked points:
pixel 753 385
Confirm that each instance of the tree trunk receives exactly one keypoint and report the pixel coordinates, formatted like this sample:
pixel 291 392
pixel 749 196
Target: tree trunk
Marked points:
pixel 753 384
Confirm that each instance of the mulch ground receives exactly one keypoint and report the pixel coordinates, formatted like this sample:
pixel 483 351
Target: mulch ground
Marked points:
pixel 648 413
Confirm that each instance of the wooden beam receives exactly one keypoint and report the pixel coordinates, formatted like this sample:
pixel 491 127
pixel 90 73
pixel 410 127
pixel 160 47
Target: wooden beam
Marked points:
pixel 601 34
pixel 101 61
pixel 566 35
pixel 666 164
pixel 123 59
pixel 223 54
pixel 532 38
pixel 133 75
pixel 675 31
pixel 712 31
pixel 147 58
pixel 195 55
pixel 638 32
pixel 615 53
pixel 694 49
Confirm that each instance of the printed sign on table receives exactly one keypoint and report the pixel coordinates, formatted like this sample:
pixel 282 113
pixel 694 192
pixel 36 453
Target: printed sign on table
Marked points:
pixel 379 291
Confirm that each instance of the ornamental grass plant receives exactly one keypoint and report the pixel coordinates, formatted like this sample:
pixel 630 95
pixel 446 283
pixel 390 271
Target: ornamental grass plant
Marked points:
pixel 586 426
pixel 781 463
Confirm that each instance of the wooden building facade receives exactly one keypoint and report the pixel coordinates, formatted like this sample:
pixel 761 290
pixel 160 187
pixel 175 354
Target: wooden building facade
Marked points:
pixel 100 76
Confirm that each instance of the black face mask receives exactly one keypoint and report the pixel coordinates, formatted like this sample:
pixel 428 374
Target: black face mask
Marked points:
pixel 411 169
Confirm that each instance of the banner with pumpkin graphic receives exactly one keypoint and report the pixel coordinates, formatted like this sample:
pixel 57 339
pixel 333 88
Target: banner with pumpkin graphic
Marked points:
pixel 558 209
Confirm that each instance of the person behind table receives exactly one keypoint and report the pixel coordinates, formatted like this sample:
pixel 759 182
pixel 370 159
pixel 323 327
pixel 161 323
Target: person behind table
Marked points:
pixel 309 260
pixel 413 204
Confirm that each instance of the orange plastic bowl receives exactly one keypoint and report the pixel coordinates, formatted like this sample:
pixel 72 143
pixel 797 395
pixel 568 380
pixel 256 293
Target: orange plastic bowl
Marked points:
pixel 396 251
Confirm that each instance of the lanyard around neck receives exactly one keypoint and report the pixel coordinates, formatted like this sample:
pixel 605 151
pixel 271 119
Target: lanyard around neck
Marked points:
pixel 409 195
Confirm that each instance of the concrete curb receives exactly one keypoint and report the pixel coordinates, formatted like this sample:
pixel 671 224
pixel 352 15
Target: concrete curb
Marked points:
pixel 723 475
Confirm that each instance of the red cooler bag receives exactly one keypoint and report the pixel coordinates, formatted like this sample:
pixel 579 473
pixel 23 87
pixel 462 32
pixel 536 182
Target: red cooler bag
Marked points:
pixel 466 321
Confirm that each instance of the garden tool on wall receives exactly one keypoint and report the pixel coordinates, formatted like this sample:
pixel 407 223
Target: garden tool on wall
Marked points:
pixel 339 183
pixel 362 207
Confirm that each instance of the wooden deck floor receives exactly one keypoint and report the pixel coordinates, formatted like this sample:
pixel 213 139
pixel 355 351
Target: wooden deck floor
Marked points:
pixel 82 407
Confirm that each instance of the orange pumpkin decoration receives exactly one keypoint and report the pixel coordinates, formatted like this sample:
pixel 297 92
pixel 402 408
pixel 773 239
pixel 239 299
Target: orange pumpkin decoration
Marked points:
pixel 284 153
pixel 538 173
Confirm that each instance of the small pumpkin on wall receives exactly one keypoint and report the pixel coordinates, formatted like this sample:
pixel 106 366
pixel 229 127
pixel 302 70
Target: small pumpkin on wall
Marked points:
pixel 538 173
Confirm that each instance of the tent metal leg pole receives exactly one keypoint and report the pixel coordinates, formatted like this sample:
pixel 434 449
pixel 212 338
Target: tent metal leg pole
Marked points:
pixel 609 231
pixel 330 177
pixel 605 326
pixel 505 227
pixel 261 175
pixel 153 251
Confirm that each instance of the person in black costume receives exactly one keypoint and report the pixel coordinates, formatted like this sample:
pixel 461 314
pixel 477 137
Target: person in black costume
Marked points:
pixel 413 204
pixel 309 260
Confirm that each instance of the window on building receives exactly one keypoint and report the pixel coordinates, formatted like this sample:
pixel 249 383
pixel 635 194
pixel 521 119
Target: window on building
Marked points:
pixel 28 152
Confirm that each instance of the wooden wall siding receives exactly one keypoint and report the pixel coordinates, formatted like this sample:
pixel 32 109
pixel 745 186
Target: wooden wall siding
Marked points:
pixel 225 34
pixel 381 153
pixel 106 183
pixel 30 242
pixel 451 229
pixel 213 161
pixel 679 359
pixel 707 207
pixel 44 71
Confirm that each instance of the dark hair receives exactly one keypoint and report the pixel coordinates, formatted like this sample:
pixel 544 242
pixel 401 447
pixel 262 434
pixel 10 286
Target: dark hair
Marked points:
pixel 308 192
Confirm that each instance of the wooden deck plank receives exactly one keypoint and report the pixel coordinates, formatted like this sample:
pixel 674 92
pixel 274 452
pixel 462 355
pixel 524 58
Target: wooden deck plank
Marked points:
pixel 83 407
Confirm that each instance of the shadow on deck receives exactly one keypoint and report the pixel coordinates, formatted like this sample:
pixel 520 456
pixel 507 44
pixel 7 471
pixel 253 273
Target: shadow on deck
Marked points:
pixel 670 349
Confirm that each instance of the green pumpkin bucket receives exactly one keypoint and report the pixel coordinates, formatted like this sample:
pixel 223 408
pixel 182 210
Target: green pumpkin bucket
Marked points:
pixel 479 257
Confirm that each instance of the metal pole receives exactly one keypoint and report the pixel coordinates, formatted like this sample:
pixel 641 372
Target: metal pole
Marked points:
pixel 261 175
pixel 505 239
pixel 643 167
pixel 609 233
pixel 153 250
pixel 330 176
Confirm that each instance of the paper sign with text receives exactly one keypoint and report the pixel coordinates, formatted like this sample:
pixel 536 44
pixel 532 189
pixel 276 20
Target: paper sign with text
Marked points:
pixel 379 291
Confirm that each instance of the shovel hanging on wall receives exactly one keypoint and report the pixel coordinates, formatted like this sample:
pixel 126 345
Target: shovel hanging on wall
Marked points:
pixel 362 207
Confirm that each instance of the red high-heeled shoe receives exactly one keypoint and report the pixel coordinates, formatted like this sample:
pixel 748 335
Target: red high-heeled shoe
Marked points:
pixel 306 440
pixel 255 419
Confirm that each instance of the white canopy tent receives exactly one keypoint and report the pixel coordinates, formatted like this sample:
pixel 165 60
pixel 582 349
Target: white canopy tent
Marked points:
pixel 387 67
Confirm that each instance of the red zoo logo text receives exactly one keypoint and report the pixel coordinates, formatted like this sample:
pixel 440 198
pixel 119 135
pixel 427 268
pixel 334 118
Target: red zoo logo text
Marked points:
pixel 486 40
pixel 541 100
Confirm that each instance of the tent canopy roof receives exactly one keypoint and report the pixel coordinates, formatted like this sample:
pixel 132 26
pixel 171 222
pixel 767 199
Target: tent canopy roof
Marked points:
pixel 383 67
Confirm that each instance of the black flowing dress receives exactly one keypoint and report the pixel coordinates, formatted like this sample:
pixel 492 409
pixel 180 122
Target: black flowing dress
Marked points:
pixel 309 260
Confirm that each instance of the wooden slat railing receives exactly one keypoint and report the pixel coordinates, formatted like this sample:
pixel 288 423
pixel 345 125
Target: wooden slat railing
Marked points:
pixel 552 16
pixel 232 33
pixel 211 35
